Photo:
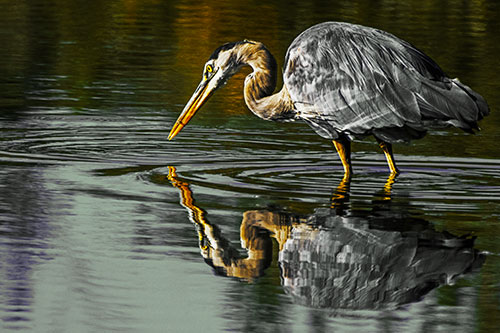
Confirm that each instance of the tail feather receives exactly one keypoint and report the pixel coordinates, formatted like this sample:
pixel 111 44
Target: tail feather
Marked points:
pixel 456 105
pixel 483 108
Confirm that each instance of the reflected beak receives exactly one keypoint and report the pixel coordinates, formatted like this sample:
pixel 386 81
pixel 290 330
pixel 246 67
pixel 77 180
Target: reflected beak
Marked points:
pixel 200 96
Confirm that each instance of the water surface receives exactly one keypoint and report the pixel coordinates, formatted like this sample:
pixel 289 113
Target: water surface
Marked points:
pixel 237 224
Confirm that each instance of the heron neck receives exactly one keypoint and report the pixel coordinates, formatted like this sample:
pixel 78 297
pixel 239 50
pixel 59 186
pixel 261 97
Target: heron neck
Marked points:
pixel 260 85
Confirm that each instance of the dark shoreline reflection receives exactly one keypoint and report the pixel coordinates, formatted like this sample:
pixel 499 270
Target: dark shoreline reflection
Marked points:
pixel 336 257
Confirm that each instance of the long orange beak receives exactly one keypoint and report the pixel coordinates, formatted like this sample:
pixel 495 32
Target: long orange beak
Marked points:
pixel 200 96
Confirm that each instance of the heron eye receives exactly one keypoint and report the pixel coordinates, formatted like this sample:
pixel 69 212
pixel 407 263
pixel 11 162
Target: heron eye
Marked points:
pixel 209 69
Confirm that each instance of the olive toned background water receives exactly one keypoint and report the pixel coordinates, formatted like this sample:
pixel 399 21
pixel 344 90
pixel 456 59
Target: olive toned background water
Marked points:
pixel 93 236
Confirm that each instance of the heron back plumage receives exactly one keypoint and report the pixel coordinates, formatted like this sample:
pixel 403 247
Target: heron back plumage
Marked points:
pixel 346 79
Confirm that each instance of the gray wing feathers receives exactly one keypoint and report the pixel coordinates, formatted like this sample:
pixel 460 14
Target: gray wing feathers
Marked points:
pixel 459 105
pixel 355 80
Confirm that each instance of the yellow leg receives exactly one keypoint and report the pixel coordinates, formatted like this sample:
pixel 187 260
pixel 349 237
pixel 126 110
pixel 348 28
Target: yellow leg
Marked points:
pixel 340 197
pixel 387 148
pixel 388 186
pixel 343 147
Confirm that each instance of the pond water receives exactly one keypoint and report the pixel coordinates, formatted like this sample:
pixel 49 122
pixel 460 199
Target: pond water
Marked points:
pixel 237 224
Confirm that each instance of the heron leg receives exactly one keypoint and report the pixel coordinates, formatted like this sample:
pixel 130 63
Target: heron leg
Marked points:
pixel 340 198
pixel 343 146
pixel 388 186
pixel 387 148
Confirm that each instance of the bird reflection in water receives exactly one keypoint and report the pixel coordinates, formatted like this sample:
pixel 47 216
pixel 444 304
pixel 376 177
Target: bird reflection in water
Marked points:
pixel 336 257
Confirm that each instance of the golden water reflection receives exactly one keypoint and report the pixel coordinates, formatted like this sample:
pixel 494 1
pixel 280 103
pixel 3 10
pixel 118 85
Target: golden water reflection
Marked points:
pixel 338 258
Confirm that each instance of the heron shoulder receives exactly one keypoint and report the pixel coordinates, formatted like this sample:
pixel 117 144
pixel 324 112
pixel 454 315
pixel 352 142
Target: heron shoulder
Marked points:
pixel 334 45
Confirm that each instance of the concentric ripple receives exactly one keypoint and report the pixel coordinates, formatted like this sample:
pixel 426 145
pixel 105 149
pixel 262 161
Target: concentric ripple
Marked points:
pixel 239 162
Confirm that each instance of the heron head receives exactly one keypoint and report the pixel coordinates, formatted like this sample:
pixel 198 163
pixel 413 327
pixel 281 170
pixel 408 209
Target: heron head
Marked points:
pixel 224 62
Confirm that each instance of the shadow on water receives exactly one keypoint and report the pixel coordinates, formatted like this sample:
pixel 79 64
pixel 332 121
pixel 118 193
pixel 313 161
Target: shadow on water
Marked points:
pixel 338 257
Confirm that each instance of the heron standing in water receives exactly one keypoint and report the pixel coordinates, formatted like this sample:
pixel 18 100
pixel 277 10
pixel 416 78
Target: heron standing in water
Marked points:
pixel 345 81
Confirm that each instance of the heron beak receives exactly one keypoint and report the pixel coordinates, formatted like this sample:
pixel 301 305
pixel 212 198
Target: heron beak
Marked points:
pixel 200 96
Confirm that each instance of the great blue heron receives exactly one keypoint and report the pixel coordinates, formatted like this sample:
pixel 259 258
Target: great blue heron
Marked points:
pixel 345 81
